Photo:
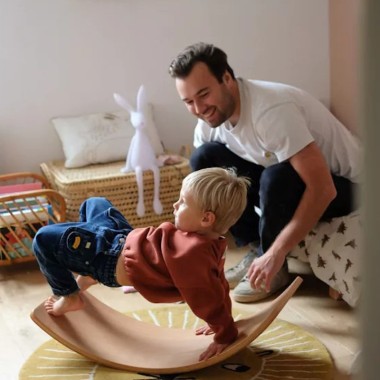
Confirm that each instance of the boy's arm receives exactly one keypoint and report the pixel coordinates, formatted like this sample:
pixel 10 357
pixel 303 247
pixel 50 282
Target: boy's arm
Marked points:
pixel 216 348
pixel 196 267
pixel 216 313
pixel 212 304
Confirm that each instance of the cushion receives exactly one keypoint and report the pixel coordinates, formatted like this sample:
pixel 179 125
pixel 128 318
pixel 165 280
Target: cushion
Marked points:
pixel 20 187
pixel 100 137
pixel 333 250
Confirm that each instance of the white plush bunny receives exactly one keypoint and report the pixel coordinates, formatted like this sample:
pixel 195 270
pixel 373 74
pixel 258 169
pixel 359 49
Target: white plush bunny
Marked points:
pixel 141 155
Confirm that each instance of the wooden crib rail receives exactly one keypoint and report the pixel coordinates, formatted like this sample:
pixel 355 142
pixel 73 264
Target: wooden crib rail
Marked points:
pixel 21 215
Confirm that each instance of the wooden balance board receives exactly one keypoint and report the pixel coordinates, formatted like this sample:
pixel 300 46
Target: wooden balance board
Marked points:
pixel 113 339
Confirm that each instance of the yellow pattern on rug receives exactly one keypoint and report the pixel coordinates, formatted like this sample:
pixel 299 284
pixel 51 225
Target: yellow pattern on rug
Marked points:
pixel 282 351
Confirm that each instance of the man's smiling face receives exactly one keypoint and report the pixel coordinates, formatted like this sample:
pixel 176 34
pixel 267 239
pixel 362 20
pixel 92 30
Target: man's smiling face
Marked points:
pixel 205 97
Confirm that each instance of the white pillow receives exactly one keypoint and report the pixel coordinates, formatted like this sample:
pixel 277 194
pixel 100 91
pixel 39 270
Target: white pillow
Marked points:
pixel 101 137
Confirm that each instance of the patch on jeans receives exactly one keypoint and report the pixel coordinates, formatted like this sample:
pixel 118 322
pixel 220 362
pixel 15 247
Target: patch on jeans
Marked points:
pixel 75 241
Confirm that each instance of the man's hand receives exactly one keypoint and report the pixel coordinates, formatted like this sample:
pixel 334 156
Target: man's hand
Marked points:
pixel 263 269
pixel 204 330
pixel 212 350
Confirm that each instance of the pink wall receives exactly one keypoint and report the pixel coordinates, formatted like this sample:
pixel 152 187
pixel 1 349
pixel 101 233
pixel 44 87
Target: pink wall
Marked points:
pixel 344 18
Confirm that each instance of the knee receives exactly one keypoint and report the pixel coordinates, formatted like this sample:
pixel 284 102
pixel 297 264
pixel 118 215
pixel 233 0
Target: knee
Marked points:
pixel 279 181
pixel 272 179
pixel 91 203
pixel 93 200
pixel 206 155
pixel 44 239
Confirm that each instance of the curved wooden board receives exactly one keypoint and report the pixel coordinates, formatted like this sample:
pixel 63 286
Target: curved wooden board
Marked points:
pixel 113 339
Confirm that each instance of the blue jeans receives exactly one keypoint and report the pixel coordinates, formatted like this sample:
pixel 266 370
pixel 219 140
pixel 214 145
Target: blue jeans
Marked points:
pixel 276 191
pixel 89 247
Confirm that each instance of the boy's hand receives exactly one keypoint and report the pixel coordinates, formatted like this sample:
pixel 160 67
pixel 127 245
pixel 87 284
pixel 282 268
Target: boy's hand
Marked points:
pixel 213 349
pixel 204 330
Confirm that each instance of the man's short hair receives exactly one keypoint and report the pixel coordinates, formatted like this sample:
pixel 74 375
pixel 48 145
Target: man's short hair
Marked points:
pixel 213 57
pixel 220 191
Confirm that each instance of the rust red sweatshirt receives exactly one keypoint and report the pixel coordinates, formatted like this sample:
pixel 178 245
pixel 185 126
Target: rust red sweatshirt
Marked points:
pixel 168 265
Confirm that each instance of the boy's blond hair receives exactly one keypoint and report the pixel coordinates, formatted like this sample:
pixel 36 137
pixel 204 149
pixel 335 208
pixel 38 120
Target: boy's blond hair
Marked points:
pixel 221 191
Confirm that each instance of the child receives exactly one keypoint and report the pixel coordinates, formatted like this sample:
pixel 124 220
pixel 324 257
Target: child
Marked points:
pixel 169 263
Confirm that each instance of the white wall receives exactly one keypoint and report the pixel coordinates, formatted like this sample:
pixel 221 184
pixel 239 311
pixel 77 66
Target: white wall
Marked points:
pixel 67 57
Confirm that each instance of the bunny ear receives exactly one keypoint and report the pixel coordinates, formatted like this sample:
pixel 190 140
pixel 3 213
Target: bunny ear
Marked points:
pixel 122 102
pixel 141 98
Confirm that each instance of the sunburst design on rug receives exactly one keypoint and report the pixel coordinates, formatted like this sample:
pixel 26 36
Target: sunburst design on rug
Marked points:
pixel 282 351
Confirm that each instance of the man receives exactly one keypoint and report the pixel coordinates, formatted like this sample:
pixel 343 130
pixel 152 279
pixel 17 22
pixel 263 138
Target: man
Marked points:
pixel 303 163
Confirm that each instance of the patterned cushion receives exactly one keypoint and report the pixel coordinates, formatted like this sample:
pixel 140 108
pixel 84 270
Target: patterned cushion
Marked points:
pixel 333 251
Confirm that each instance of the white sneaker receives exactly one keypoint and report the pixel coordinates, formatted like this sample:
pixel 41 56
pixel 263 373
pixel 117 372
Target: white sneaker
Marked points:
pixel 235 274
pixel 245 294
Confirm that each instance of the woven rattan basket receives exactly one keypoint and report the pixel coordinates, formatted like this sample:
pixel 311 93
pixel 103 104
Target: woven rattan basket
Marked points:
pixel 106 180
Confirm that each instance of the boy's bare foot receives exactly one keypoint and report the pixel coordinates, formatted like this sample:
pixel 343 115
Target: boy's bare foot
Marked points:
pixel 84 282
pixel 59 306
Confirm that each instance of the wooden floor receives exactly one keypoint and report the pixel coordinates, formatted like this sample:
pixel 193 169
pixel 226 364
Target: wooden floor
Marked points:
pixel 22 287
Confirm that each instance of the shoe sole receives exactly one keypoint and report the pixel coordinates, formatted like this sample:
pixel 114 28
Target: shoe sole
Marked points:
pixel 250 298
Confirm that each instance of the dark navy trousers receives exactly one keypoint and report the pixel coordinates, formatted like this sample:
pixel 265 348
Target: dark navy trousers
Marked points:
pixel 276 191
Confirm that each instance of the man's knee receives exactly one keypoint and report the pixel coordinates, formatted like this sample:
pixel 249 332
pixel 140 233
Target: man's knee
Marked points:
pixel 279 181
pixel 196 159
pixel 273 179
pixel 206 155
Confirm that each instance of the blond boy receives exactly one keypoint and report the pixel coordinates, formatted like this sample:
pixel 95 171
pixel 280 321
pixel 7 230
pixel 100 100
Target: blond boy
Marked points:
pixel 183 261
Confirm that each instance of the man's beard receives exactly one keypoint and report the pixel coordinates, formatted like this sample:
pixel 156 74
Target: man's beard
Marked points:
pixel 222 114
pixel 222 117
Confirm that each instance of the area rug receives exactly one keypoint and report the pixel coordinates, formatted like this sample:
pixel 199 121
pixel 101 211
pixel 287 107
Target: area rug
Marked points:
pixel 282 351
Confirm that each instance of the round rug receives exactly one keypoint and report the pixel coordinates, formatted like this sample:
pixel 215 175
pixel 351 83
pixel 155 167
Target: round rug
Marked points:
pixel 282 351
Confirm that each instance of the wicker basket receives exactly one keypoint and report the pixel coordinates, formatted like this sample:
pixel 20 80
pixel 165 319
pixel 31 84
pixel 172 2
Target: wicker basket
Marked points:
pixel 25 206
pixel 106 180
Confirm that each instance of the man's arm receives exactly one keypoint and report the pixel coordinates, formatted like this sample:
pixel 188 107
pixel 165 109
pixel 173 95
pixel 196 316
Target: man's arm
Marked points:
pixel 311 166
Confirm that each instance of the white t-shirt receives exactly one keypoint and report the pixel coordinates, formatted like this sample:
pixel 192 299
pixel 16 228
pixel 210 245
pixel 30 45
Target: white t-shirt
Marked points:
pixel 277 121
